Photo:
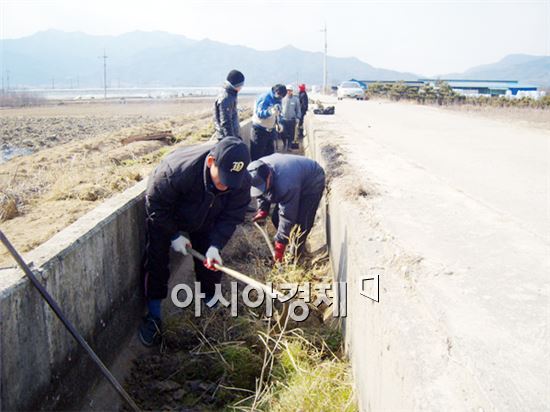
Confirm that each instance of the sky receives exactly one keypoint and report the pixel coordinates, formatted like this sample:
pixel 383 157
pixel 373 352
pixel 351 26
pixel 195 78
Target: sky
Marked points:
pixel 423 37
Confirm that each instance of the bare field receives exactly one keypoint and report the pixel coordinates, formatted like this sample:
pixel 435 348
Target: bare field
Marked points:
pixel 44 192
pixel 35 128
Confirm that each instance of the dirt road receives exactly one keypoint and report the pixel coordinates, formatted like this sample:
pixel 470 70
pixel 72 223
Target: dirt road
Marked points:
pixel 469 198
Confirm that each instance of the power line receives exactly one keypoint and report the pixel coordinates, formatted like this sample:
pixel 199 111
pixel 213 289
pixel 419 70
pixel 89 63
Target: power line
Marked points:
pixel 104 57
pixel 325 61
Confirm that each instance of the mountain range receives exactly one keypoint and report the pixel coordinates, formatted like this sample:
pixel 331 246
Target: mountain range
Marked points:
pixel 522 67
pixel 158 59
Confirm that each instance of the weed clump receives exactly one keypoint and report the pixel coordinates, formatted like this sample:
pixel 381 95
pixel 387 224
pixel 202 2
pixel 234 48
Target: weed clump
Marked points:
pixel 8 206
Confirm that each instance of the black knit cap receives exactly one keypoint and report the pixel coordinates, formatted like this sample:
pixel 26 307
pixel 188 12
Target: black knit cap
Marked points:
pixel 279 89
pixel 235 78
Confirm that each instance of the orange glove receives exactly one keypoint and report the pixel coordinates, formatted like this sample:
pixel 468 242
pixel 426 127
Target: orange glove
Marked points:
pixel 279 251
pixel 260 215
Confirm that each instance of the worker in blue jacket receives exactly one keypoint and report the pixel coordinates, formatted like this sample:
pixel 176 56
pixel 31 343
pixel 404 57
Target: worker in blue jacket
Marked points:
pixel 295 184
pixel 265 122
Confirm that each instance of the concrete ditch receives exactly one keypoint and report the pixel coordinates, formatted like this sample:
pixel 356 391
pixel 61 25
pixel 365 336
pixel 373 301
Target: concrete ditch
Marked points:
pixel 401 356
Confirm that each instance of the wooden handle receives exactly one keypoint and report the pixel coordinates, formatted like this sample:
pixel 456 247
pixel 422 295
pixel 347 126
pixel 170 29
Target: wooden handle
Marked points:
pixel 272 293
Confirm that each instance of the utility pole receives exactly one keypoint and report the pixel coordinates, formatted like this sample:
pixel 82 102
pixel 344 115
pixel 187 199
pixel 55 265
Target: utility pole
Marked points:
pixel 104 57
pixel 325 61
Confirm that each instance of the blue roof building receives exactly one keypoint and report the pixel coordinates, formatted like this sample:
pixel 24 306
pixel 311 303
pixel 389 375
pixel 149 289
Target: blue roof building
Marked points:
pixel 464 86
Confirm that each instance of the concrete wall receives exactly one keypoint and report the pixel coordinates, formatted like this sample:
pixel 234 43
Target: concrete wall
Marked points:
pixel 92 269
pixel 401 356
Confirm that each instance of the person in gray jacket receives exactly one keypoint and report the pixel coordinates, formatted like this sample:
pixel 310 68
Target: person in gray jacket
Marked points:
pixel 295 184
pixel 291 113
pixel 226 117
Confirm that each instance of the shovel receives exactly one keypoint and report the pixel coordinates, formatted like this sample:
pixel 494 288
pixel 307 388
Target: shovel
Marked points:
pixel 271 292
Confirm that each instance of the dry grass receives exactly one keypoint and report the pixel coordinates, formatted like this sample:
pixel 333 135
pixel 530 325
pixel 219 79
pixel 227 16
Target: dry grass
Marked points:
pixel 249 363
pixel 74 176
pixel 8 205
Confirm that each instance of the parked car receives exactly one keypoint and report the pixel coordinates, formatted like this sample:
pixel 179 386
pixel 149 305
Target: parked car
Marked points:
pixel 350 90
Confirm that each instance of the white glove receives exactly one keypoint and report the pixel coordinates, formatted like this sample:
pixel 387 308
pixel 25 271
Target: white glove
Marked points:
pixel 275 110
pixel 180 244
pixel 213 256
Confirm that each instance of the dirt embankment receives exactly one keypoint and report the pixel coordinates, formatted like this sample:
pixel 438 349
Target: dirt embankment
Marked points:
pixel 44 192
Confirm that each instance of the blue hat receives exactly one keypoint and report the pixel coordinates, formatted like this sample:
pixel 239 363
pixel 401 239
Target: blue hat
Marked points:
pixel 259 172
pixel 231 157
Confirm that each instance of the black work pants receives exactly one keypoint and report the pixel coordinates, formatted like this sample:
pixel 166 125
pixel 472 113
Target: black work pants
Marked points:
pixel 262 143
pixel 288 132
pixel 157 259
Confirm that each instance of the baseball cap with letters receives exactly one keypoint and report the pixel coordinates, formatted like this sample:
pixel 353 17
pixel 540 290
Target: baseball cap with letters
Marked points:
pixel 231 157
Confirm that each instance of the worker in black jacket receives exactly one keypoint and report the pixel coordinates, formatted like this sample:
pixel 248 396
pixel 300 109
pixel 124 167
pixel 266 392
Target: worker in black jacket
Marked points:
pixel 196 196
pixel 226 117
pixel 295 184
pixel 304 103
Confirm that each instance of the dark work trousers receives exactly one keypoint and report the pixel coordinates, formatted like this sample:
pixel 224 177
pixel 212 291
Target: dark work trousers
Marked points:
pixel 262 143
pixel 288 132
pixel 157 259
pixel 207 278
pixel 306 216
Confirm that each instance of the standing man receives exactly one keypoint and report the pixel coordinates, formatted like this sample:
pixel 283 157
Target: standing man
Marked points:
pixel 290 115
pixel 304 102
pixel 295 184
pixel 226 117
pixel 265 121
pixel 197 195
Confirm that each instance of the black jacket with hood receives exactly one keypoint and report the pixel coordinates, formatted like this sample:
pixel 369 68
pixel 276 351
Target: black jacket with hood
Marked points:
pixel 226 117
pixel 181 197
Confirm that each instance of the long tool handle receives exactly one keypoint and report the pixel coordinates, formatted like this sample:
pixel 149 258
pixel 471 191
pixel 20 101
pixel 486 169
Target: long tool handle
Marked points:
pixel 57 310
pixel 273 293
pixel 266 237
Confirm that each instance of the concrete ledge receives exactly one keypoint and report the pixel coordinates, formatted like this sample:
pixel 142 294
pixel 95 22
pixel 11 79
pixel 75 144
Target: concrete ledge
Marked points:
pixel 93 269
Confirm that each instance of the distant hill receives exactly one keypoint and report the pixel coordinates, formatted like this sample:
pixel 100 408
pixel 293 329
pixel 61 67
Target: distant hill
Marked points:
pixel 522 67
pixel 163 59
